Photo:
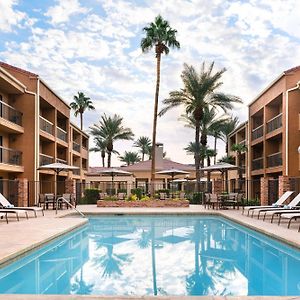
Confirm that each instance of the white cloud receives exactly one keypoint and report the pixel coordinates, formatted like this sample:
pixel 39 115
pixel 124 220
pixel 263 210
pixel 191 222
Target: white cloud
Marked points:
pixel 63 10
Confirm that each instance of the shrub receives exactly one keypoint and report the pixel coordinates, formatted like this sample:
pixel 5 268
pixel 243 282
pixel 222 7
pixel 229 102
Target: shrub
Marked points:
pixel 196 198
pixel 138 192
pixel 111 198
pixel 122 191
pixel 90 196
pixel 163 191
pixel 132 197
pixel 251 202
pixel 145 198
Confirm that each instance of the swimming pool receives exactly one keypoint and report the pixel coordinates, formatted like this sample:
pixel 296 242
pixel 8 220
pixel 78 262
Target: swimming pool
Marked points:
pixel 157 255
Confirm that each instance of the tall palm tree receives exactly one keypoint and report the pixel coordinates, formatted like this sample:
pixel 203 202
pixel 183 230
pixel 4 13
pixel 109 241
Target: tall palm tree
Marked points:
pixel 162 37
pixel 100 146
pixel 110 129
pixel 239 149
pixel 227 159
pixel 198 93
pixel 144 143
pixel 80 105
pixel 227 127
pixel 130 158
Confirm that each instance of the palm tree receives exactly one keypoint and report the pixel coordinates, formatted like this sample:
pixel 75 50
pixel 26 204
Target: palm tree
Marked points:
pixel 110 129
pixel 198 94
pixel 80 105
pixel 227 127
pixel 162 37
pixel 227 159
pixel 239 149
pixel 144 143
pixel 130 157
pixel 100 147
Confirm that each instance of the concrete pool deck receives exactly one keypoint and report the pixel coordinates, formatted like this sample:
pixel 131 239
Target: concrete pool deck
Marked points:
pixel 17 238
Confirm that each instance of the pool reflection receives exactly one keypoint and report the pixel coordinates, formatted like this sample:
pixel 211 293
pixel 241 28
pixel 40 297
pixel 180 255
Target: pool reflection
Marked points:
pixel 158 256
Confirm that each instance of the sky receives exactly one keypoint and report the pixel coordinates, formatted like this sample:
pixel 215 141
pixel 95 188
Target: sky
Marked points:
pixel 93 46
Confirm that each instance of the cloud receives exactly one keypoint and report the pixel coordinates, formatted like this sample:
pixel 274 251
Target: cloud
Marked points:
pixel 63 10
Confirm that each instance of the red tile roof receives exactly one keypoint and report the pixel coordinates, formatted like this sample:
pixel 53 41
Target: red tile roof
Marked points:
pixel 292 70
pixel 8 66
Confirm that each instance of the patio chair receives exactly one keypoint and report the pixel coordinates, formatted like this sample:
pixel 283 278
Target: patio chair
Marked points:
pixel 7 205
pixel 16 212
pixel 290 216
pixel 214 201
pixel 49 198
pixel 4 216
pixel 121 196
pixel 67 197
pixel 163 196
pixel 182 195
pixel 276 211
pixel 230 200
pixel 278 203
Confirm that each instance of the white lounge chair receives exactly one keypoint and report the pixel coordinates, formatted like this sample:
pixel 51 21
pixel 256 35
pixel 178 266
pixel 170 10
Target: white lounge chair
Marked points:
pixel 7 205
pixel 277 204
pixel 16 212
pixel 286 209
pixel 292 215
pixel 4 216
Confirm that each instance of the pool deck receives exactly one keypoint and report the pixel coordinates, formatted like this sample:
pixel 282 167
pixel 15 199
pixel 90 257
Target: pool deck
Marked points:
pixel 17 238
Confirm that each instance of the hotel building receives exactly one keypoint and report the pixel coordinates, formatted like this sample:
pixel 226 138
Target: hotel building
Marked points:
pixel 35 130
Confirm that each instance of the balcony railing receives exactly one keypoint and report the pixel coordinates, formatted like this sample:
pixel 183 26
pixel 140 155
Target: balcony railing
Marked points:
pixel 10 156
pixel 62 161
pixel 274 160
pixel 61 134
pixel 9 113
pixel 257 132
pixel 76 172
pixel 46 159
pixel 76 146
pixel 243 142
pixel 257 163
pixel 274 123
pixel 46 125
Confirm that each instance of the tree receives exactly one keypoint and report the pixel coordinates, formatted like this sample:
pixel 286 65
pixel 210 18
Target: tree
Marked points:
pixel 144 143
pixel 110 129
pixel 198 94
pixel 227 159
pixel 162 37
pixel 100 147
pixel 227 127
pixel 130 157
pixel 239 149
pixel 80 105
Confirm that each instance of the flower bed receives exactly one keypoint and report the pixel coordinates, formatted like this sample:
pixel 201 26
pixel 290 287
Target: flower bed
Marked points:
pixel 139 203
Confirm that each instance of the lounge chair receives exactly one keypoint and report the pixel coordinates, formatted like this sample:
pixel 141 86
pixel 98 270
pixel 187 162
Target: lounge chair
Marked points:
pixel 163 196
pixel 182 195
pixel 292 206
pixel 102 196
pixel 121 196
pixel 16 212
pixel 290 216
pixel 7 205
pixel 277 204
pixel 2 216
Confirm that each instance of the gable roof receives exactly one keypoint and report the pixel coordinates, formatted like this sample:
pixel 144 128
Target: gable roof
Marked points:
pixel 8 66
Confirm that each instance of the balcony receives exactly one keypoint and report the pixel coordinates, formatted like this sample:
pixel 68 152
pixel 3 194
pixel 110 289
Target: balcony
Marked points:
pixel 76 172
pixel 258 132
pixel 274 160
pixel 274 123
pixel 61 161
pixel 9 113
pixel 257 163
pixel 10 156
pixel 76 146
pixel 46 159
pixel 243 142
pixel 46 125
pixel 61 134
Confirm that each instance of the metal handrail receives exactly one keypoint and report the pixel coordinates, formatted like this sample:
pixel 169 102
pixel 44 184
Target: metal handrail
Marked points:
pixel 71 205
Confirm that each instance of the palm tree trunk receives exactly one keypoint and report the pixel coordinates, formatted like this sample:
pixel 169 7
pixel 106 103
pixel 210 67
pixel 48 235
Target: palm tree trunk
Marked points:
pixel 240 171
pixel 208 175
pixel 108 159
pixel 103 157
pixel 158 55
pixel 197 156
pixel 81 121
pixel 143 156
pixel 215 149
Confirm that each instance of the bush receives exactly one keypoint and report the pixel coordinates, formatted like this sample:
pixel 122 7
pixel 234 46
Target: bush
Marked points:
pixel 138 192
pixel 111 198
pixel 122 191
pixel 251 202
pixel 196 198
pixel 90 196
pixel 163 191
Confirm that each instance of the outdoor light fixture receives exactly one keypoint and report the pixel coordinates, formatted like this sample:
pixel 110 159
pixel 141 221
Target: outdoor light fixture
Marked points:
pixel 299 149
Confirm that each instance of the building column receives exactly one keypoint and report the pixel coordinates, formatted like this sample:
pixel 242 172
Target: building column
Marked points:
pixel 70 186
pixel 284 185
pixel 23 192
pixel 264 191
pixel 217 187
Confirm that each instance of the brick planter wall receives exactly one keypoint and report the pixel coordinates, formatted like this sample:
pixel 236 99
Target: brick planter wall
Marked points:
pixel 148 203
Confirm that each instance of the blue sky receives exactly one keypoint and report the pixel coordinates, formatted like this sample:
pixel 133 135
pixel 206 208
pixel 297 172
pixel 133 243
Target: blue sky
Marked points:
pixel 93 46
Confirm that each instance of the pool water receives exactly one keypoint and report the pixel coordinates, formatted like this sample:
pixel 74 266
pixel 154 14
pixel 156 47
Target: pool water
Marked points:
pixel 164 255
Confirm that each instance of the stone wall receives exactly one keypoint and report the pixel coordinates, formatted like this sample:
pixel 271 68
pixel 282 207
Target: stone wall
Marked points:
pixel 284 185
pixel 148 203
pixel 23 192
pixel 264 191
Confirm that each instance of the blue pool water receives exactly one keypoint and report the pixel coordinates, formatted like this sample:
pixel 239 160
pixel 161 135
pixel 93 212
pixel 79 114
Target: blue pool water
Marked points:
pixel 166 255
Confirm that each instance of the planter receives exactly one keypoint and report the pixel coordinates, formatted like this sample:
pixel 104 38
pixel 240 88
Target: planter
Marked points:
pixel 139 203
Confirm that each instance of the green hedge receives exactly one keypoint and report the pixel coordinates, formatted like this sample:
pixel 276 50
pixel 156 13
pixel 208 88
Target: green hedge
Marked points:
pixel 90 196
pixel 138 192
pixel 196 198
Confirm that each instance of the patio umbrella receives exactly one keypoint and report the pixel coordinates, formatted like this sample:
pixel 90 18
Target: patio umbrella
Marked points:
pixel 221 167
pixel 172 173
pixel 112 172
